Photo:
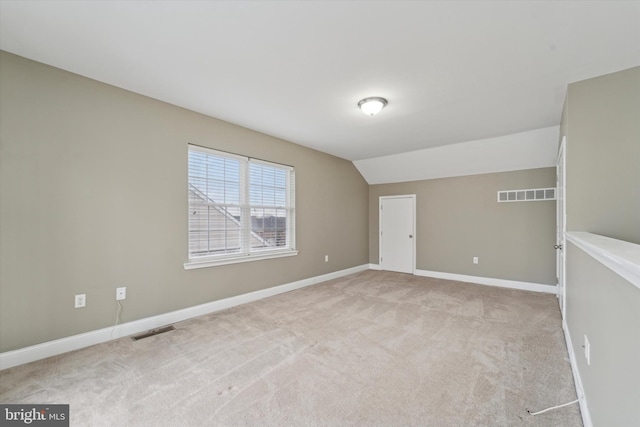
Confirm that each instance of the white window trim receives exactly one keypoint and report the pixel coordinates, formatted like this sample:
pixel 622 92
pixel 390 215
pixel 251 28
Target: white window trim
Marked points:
pixel 217 260
pixel 235 259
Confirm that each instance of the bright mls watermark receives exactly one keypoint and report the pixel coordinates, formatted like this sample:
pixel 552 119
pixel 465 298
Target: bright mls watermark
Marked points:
pixel 34 415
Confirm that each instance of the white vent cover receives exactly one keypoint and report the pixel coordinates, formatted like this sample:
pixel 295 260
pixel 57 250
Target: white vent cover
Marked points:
pixel 529 195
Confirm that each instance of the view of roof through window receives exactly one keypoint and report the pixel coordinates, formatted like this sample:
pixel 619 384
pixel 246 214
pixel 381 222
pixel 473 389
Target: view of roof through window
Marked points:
pixel 223 189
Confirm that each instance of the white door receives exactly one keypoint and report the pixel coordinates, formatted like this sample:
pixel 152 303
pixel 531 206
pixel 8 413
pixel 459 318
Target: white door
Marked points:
pixel 560 224
pixel 397 233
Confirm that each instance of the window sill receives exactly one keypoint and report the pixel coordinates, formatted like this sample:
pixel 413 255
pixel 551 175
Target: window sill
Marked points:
pixel 209 262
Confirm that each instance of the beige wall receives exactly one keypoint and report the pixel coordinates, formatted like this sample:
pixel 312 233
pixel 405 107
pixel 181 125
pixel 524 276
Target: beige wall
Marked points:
pixel 605 307
pixel 603 155
pixel 93 196
pixel 602 126
pixel 459 218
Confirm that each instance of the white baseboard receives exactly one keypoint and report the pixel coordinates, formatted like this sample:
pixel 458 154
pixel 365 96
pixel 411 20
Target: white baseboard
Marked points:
pixel 513 284
pixel 51 348
pixel 584 410
pixel 374 267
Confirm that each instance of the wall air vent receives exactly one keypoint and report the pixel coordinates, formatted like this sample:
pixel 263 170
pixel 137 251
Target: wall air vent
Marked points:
pixel 530 195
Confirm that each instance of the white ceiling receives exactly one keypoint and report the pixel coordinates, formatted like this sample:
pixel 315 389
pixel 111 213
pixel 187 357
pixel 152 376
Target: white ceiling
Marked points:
pixel 525 150
pixel 452 71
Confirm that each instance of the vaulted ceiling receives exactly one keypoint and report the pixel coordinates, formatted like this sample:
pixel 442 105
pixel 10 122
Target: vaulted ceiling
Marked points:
pixel 452 71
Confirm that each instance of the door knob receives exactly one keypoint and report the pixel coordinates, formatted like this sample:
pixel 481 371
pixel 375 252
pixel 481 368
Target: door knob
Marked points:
pixel 557 246
pixel 411 236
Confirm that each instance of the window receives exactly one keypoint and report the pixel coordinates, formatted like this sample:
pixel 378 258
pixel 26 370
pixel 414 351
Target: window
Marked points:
pixel 240 209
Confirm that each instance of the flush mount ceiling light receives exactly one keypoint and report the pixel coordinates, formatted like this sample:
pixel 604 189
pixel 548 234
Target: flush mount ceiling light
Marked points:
pixel 372 106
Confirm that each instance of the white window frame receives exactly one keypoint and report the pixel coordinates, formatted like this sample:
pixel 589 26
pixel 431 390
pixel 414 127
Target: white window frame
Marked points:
pixel 246 254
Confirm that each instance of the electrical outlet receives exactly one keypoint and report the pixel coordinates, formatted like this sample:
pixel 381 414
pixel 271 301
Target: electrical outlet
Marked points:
pixel 587 350
pixel 121 293
pixel 81 300
pixel 475 259
pixel 326 258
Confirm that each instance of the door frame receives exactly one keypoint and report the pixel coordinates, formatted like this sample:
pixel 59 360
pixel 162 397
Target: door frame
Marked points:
pixel 561 225
pixel 413 226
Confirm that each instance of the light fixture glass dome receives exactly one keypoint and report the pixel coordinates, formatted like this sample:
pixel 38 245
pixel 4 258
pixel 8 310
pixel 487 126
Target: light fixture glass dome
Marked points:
pixel 372 106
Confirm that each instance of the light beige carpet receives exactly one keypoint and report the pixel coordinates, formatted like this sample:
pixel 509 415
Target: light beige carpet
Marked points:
pixel 370 349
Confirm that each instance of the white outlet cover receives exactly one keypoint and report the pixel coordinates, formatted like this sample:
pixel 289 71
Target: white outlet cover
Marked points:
pixel 587 350
pixel 121 293
pixel 80 300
